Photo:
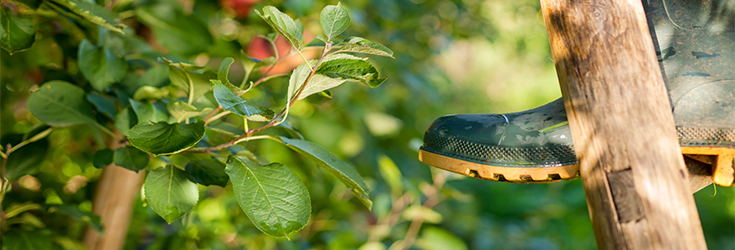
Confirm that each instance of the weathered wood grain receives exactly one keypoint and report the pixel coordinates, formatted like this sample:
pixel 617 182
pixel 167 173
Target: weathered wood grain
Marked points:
pixel 621 120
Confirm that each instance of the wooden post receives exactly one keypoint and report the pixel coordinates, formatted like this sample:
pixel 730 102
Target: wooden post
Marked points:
pixel 632 169
pixel 113 202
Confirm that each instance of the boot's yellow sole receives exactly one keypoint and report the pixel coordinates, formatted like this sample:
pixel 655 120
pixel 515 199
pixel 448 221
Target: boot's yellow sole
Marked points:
pixel 720 158
pixel 504 174
pixel 721 161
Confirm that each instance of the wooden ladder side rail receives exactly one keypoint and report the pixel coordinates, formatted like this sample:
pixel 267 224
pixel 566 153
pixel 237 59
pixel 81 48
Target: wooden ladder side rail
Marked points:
pixel 631 165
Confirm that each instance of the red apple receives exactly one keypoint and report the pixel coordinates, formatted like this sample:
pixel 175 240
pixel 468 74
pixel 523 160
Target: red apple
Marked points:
pixel 242 8
pixel 260 49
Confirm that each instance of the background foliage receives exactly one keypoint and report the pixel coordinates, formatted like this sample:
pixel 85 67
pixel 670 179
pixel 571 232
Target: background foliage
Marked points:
pixel 450 57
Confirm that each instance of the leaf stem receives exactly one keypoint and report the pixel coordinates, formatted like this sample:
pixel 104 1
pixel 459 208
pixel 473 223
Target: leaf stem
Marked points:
pixel 305 61
pixel 32 139
pixel 258 137
pixel 191 87
pixel 107 131
pixel 266 78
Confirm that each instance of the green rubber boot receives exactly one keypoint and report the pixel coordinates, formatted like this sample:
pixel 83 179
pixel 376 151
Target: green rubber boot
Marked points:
pixel 696 46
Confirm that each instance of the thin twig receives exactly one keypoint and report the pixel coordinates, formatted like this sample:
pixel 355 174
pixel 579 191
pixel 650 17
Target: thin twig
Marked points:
pixel 217 117
pixel 3 184
pixel 206 118
pixel 271 67
pixel 36 137
pixel 413 229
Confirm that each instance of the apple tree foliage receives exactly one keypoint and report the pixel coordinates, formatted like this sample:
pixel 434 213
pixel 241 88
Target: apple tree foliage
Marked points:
pixel 153 109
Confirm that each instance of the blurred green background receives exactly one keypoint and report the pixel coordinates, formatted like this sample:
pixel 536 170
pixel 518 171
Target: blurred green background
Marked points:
pixel 451 57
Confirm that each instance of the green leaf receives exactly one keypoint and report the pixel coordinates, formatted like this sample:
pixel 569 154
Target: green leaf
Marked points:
pixel 433 238
pixel 94 220
pixel 272 196
pixel 125 120
pixel 206 170
pixel 178 32
pixel 170 193
pixel 188 77
pixel 224 70
pixel 99 65
pixel 231 102
pixel 318 82
pixel 292 30
pixel 182 111
pixel 150 93
pixel 334 19
pixel 60 104
pixel 20 239
pixel 93 13
pixel 130 158
pixel 352 69
pixel 150 111
pixel 391 174
pixel 340 169
pixel 17 32
pixel 102 158
pixel 103 104
pixel 362 45
pixel 164 139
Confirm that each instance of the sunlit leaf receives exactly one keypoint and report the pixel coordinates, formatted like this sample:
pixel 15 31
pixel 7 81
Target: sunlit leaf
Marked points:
pixel 352 69
pixel 181 111
pixel 100 65
pixel 149 93
pixel 163 138
pixel 93 13
pixel 340 169
pixel 433 238
pixel 334 20
pixel 318 82
pixel 17 32
pixel 189 77
pixel 292 30
pixel 272 196
pixel 223 73
pixel 169 193
pixel 391 174
pixel 362 45
pixel 150 111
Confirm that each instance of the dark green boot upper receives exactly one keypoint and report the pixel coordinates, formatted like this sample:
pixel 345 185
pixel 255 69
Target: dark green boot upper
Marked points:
pixel 695 40
pixel 537 137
